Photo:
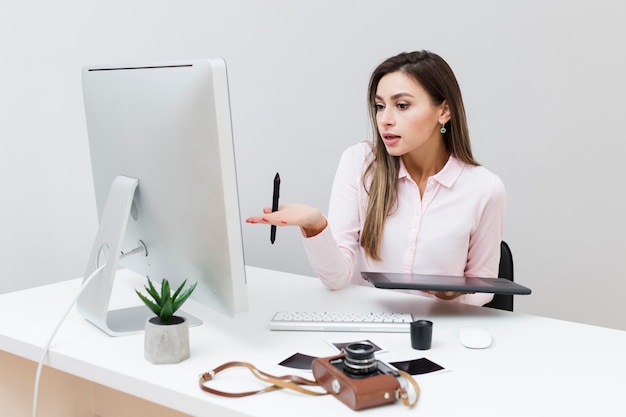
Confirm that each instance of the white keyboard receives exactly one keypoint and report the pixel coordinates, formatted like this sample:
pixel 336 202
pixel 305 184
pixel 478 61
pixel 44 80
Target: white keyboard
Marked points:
pixel 327 321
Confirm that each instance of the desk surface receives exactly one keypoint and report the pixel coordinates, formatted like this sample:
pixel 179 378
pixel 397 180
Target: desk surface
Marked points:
pixel 535 366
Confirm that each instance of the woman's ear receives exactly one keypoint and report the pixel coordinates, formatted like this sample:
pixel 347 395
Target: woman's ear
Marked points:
pixel 445 116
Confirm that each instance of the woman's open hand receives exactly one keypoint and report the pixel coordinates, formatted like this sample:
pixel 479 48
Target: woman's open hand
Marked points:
pixel 309 219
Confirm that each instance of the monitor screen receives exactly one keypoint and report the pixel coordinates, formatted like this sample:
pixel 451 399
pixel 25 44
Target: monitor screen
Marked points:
pixel 163 164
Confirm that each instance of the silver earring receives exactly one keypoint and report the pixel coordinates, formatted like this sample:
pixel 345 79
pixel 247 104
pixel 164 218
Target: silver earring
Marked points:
pixel 443 128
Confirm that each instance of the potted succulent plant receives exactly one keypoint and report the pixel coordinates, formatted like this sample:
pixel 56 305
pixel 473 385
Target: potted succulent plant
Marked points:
pixel 166 335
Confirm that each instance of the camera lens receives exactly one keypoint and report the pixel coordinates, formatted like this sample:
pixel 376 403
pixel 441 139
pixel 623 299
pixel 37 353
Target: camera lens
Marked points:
pixel 360 359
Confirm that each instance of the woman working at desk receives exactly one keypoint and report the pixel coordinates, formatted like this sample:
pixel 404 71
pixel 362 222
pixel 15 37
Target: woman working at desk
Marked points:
pixel 414 200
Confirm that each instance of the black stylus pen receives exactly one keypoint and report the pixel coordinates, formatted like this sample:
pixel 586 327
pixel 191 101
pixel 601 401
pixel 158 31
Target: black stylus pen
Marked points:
pixel 275 196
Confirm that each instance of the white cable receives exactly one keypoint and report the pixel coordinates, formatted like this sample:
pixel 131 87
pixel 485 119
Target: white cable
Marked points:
pixel 47 347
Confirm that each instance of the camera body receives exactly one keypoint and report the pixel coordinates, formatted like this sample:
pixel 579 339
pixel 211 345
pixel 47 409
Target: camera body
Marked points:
pixel 356 378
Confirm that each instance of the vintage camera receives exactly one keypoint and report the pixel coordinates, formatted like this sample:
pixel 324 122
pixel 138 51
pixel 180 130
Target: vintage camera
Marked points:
pixel 357 378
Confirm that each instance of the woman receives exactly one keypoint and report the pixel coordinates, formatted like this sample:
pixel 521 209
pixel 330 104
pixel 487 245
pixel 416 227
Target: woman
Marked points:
pixel 414 200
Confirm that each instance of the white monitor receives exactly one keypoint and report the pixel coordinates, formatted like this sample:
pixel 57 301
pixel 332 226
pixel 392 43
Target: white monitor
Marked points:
pixel 163 163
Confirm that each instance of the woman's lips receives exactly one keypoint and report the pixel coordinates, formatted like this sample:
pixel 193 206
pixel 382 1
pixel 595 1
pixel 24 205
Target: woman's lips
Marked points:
pixel 391 140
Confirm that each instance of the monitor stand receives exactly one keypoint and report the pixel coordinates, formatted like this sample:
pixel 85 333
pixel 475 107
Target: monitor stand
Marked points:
pixel 93 302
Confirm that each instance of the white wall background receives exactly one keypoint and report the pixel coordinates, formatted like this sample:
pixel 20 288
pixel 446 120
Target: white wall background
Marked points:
pixel 543 82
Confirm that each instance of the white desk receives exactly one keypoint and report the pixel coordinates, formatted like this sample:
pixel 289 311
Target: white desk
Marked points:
pixel 535 366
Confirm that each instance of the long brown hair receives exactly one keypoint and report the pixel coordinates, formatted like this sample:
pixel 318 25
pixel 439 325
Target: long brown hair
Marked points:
pixel 436 77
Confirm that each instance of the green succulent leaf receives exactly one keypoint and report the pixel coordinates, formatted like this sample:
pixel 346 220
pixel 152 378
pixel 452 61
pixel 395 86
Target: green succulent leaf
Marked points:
pixel 165 290
pixel 152 306
pixel 166 311
pixel 179 289
pixel 178 302
pixel 153 292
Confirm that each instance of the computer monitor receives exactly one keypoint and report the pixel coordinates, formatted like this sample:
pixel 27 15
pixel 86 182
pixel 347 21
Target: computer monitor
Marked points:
pixel 162 155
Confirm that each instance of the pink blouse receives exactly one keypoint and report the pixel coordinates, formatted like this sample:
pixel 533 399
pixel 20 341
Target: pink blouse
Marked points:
pixel 454 229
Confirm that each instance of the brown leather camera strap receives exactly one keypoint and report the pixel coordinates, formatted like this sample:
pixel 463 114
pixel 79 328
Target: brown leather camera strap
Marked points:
pixel 292 382
pixel 403 394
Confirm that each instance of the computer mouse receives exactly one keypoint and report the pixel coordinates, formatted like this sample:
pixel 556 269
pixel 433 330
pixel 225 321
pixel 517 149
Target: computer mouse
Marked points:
pixel 475 337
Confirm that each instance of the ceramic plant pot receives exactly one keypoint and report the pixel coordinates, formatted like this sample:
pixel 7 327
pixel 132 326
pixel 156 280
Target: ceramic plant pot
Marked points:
pixel 166 343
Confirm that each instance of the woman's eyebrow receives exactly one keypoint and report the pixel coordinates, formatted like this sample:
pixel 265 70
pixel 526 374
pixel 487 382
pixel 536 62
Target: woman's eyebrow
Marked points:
pixel 395 96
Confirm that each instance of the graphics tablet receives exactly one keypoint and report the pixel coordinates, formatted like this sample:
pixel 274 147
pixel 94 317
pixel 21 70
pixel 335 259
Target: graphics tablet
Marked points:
pixel 402 281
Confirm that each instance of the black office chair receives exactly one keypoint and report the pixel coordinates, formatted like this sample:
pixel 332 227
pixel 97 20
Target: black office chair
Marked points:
pixel 502 301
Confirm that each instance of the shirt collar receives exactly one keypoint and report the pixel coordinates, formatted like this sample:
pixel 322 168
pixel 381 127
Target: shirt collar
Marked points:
pixel 448 175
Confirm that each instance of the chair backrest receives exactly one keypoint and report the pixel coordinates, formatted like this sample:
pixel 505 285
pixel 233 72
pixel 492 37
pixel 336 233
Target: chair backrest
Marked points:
pixel 502 301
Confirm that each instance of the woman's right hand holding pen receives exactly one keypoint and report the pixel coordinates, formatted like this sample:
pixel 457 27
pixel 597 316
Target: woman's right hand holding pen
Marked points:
pixel 309 219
